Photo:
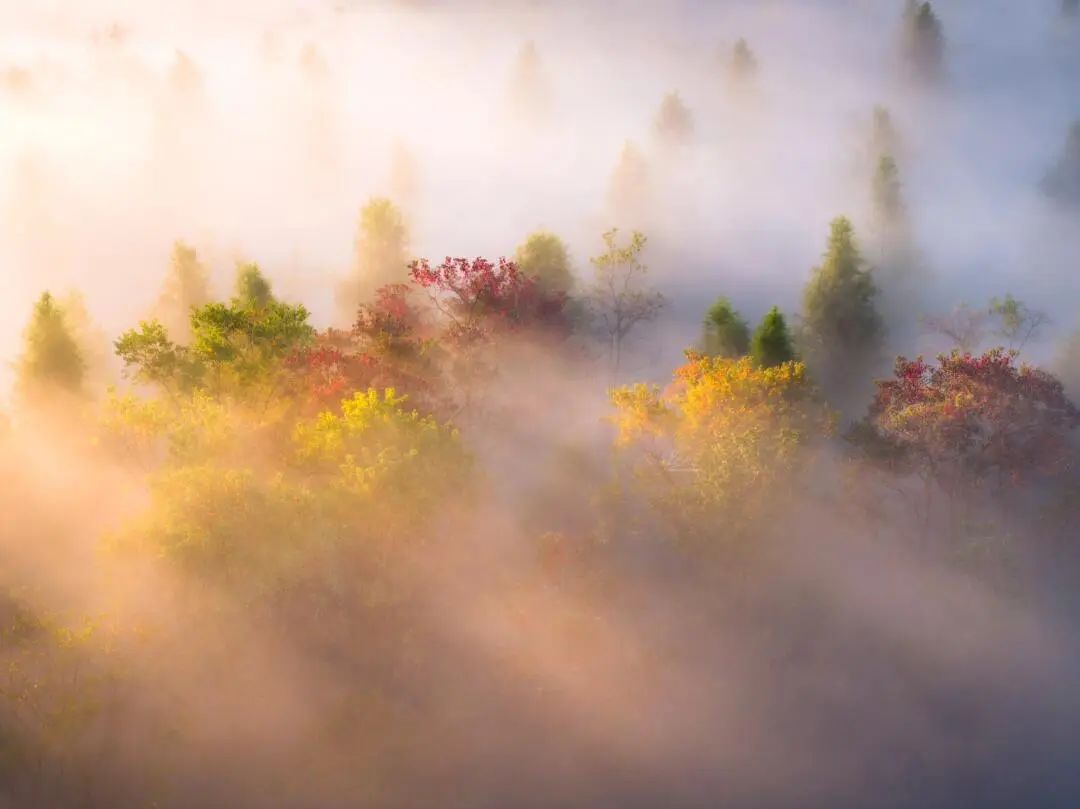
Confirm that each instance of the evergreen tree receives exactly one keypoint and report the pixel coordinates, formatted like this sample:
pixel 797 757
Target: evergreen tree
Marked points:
pixel 530 96
pixel 744 64
pixel 923 42
pixel 771 344
pixel 724 332
pixel 404 175
pixel 1062 183
pixel 674 124
pixel 842 329
pixel 51 359
pixel 544 257
pixel 186 287
pixel 628 190
pixel 888 202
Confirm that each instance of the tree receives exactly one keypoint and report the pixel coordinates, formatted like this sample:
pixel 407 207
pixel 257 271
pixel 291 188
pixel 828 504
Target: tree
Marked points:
pixel 1069 8
pixel 186 287
pixel 884 139
pixel 842 329
pixel 51 360
pixel 673 124
pixel 628 189
pixel 923 42
pixel 252 287
pixel 1017 324
pixel 771 344
pixel 970 421
pixel 618 297
pixel 719 451
pixel 889 211
pixel 1062 182
pixel 724 332
pixel 744 64
pixel 964 326
pixel 544 258
pixel 381 253
pixel 530 95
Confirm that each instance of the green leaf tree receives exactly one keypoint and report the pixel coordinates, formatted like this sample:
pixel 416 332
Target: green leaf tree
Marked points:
pixel 543 257
pixel 186 287
pixel 381 254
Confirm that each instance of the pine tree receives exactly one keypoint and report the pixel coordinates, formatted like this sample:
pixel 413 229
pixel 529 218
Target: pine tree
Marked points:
pixel 674 124
pixel 1062 183
pixel 889 210
pixel 771 344
pixel 923 42
pixel 842 329
pixel 744 64
pixel 628 190
pixel 51 359
pixel 724 332
pixel 530 96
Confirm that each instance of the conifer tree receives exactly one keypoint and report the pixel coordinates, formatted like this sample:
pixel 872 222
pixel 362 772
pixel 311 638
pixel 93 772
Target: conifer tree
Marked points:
pixel 724 332
pixel 744 64
pixel 674 123
pixel 771 344
pixel 842 329
pixel 51 359
pixel 923 42
pixel 1062 183
pixel 628 189
pixel 530 96
pixel 253 289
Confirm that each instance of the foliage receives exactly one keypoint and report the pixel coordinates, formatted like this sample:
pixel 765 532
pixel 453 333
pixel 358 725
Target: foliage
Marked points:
pixel 771 344
pixel 716 452
pixel 51 358
pixel 842 329
pixel 969 418
pixel 544 258
pixel 1017 324
pixel 887 194
pixel 618 297
pixel 724 332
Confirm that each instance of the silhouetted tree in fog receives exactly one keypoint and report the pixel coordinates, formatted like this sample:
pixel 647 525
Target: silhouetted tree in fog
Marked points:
pixel 619 298
pixel 771 344
pixel 1015 322
pixel 51 358
pixel 923 45
pixel 724 332
pixel 1062 183
pixel 404 175
pixel 544 258
pixel 744 65
pixel 186 286
pixel 381 254
pixel 529 92
pixel 628 189
pixel 841 329
pixel 673 124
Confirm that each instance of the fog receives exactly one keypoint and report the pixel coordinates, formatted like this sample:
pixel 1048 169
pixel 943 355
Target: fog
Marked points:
pixel 837 664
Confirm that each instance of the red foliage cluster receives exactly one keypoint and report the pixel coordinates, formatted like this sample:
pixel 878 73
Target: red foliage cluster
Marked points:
pixel 975 414
pixel 480 297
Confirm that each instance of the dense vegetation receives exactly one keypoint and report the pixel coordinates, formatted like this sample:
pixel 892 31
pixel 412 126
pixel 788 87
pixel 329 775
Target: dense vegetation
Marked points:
pixel 458 550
